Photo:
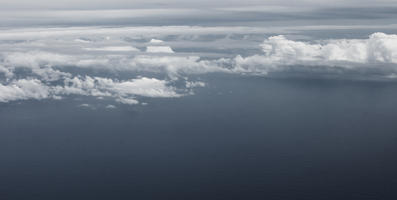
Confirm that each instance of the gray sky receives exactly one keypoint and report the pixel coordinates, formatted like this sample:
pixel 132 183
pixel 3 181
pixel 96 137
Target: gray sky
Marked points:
pixel 116 4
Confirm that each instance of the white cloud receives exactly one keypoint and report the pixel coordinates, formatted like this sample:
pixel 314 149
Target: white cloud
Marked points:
pixel 379 47
pixel 35 59
pixel 117 32
pixel 147 87
pixel 159 49
pixel 49 69
pixel 122 91
pixel 279 51
pixel 110 106
pixel 24 89
pixel 129 101
pixel 193 84
pixel 41 63
pixel 85 105
pixel 113 48
pixel 156 41
pixel 174 65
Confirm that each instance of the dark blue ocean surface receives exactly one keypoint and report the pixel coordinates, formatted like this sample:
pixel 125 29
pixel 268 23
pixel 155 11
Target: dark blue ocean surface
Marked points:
pixel 237 138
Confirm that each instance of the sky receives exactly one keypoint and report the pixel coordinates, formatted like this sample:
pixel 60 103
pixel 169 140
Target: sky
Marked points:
pixel 154 99
pixel 208 13
pixel 117 4
pixel 54 50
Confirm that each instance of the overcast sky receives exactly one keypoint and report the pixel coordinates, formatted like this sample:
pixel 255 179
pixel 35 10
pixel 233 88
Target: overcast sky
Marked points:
pixel 114 4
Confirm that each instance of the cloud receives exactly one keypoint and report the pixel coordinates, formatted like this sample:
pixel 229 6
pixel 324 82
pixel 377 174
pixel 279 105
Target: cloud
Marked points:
pixel 97 33
pixel 24 89
pixel 159 49
pixel 34 67
pixel 193 84
pixel 147 87
pixel 85 105
pixel 379 48
pixel 35 59
pixel 122 91
pixel 6 72
pixel 113 48
pixel 174 65
pixel 279 54
pixel 156 41
pixel 129 101
pixel 40 63
pixel 110 106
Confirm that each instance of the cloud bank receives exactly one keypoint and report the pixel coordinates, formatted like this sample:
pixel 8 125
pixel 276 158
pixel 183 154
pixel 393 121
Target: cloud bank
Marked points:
pixel 50 65
pixel 123 91
pixel 379 48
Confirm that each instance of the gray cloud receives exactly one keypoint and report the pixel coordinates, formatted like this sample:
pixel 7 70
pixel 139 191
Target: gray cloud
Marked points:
pixel 230 13
pixel 95 4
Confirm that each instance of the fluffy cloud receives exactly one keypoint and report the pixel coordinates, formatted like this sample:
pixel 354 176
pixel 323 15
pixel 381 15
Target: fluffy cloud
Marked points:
pixel 24 89
pixel 122 91
pixel 355 53
pixel 379 47
pixel 174 65
pixel 40 63
pixel 148 87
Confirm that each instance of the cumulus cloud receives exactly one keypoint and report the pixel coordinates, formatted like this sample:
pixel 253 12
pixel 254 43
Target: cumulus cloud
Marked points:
pixel 24 89
pixel 353 53
pixel 379 47
pixel 148 87
pixel 122 91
